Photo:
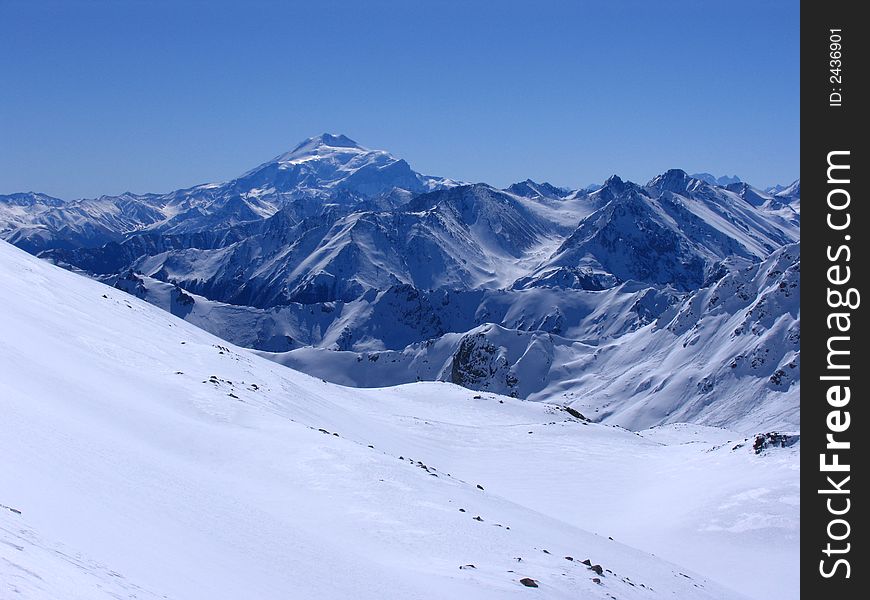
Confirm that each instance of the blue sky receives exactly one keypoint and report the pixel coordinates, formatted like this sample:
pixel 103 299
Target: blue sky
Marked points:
pixel 102 96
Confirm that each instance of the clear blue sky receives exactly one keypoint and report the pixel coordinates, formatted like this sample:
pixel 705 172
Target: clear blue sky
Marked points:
pixel 104 96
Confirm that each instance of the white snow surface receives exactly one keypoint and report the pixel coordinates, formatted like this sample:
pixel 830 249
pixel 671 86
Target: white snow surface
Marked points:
pixel 143 457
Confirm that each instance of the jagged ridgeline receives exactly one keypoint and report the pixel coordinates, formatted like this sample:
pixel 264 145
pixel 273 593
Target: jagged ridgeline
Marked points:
pixel 636 304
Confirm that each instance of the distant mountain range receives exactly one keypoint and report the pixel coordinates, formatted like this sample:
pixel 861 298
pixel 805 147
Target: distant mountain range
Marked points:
pixel 346 263
pixel 722 181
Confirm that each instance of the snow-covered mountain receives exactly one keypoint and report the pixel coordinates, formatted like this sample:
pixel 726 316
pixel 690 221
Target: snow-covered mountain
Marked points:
pixel 343 262
pixel 323 173
pixel 791 195
pixel 674 231
pixel 726 355
pixel 462 237
pixel 722 180
pixel 533 189
pixel 35 221
pixel 335 162
pixel 402 315
pixel 144 457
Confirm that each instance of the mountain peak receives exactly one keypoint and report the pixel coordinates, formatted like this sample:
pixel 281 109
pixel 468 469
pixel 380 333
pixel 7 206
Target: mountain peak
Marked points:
pixel 321 165
pixel 530 188
pixel 325 143
pixel 613 186
pixel 334 141
pixel 793 190
pixel 674 180
pixel 723 181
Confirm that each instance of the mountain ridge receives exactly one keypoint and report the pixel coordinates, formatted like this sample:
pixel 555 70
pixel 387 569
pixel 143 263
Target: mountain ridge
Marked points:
pixel 346 249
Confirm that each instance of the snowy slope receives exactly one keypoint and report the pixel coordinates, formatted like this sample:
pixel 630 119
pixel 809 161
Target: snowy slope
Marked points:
pixel 487 358
pixel 398 317
pixel 728 354
pixel 791 195
pixel 144 456
pixel 783 207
